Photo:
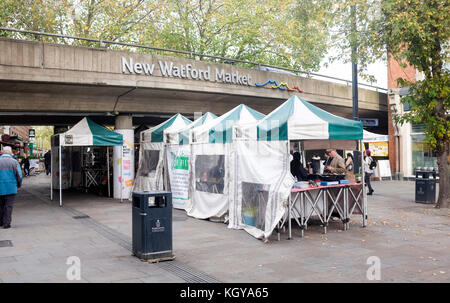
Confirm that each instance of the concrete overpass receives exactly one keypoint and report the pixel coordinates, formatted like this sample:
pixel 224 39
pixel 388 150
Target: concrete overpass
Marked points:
pixel 50 84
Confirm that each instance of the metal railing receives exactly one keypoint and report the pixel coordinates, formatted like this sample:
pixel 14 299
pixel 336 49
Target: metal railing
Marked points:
pixel 191 54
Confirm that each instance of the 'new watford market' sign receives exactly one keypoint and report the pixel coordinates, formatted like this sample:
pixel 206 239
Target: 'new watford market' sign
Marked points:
pixel 189 71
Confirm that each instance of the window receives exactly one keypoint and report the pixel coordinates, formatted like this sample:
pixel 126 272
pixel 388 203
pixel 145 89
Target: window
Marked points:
pixel 210 173
pixel 421 153
pixel 254 202
pixel 150 159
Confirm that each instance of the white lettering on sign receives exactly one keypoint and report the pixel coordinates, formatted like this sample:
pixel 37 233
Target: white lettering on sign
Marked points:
pixel 137 68
pixel 184 71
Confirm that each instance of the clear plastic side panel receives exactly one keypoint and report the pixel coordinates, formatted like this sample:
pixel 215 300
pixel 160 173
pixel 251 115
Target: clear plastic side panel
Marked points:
pixel 254 202
pixel 210 173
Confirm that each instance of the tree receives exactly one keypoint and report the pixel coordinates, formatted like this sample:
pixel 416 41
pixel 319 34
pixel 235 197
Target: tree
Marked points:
pixel 287 33
pixel 416 32
pixel 43 136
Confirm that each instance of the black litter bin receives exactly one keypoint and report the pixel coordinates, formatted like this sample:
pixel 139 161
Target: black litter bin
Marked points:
pixel 152 225
pixel 425 187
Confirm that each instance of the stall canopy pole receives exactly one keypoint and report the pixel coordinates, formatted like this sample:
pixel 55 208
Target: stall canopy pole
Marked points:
pixel 107 164
pixel 364 197
pixel 60 173
pixel 51 176
pixel 121 177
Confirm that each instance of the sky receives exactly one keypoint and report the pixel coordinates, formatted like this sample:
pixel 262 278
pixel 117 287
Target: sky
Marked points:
pixel 344 71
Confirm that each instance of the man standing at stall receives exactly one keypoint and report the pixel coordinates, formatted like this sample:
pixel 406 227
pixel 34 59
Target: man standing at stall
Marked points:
pixel 10 181
pixel 337 164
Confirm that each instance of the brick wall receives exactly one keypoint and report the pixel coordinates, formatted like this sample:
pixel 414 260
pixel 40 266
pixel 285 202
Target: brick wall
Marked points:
pixel 22 131
pixel 395 71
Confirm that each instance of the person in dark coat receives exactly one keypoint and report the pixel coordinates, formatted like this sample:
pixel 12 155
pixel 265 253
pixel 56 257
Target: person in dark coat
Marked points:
pixel 10 181
pixel 26 165
pixel 48 162
pixel 297 169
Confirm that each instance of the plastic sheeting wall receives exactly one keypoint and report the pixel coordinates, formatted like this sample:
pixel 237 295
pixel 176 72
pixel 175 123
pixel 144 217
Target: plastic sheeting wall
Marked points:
pixel 261 187
pixel 209 180
pixel 178 170
pixel 150 173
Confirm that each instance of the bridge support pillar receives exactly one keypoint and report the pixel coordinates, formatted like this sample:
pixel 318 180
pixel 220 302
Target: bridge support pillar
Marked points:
pixel 123 158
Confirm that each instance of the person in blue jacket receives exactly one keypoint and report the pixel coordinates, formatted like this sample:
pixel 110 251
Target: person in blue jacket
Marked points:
pixel 10 181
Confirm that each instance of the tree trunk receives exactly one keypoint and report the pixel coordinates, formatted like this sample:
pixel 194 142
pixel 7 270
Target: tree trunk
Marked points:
pixel 444 180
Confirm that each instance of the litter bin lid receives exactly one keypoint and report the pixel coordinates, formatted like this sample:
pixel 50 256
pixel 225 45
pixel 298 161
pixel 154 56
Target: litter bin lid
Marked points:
pixel 151 192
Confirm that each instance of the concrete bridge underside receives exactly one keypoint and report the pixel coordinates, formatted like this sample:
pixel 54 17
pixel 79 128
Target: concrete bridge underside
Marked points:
pixel 48 84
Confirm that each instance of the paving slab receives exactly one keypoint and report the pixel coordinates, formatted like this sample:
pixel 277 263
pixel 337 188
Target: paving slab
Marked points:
pixel 412 241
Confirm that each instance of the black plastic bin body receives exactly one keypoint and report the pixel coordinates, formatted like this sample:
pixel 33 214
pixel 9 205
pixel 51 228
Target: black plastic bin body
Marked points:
pixel 152 225
pixel 425 187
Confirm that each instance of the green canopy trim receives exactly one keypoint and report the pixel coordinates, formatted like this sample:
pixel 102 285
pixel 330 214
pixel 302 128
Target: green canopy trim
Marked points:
pixel 158 134
pixel 102 136
pixel 184 135
pixel 338 128
pixel 222 132
pixel 282 114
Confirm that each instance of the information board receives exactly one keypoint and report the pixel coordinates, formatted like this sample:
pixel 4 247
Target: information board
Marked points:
pixel 384 168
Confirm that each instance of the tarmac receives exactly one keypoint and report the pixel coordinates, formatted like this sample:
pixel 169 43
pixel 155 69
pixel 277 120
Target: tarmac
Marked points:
pixel 410 240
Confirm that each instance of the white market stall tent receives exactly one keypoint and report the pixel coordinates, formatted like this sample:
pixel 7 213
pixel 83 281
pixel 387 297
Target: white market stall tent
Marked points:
pixel 178 153
pixel 263 181
pixel 372 137
pixel 84 133
pixel 211 165
pixel 150 174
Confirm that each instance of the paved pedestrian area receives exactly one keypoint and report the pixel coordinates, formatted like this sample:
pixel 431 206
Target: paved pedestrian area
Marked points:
pixel 411 240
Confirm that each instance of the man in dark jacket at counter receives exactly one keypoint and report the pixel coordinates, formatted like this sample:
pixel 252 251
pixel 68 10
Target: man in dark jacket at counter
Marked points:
pixel 10 181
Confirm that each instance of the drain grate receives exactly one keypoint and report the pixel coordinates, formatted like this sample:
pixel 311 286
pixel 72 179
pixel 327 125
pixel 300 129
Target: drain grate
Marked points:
pixel 81 217
pixel 186 273
pixel 6 243
pixel 178 269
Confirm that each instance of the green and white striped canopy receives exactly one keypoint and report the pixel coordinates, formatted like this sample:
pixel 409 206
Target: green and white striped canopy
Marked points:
pixel 297 119
pixel 181 136
pixel 88 133
pixel 156 134
pixel 220 130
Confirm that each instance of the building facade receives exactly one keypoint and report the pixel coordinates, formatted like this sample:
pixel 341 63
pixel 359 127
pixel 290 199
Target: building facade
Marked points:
pixel 407 147
pixel 15 136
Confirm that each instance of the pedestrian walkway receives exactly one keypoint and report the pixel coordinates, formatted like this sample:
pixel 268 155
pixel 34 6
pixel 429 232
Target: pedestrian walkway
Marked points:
pixel 412 241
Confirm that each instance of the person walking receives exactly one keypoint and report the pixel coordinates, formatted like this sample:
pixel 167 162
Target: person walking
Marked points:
pixel 48 162
pixel 10 181
pixel 368 170
pixel 26 165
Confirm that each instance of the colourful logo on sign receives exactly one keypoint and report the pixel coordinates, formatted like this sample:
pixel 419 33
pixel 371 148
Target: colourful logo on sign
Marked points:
pixel 180 162
pixel 282 85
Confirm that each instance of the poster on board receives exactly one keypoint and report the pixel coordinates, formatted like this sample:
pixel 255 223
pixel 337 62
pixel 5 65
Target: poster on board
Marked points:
pixel 178 164
pixel 379 149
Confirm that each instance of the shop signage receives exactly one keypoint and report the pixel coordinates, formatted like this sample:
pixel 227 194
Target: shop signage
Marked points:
pixel 185 71
pixel 31 133
pixel 369 121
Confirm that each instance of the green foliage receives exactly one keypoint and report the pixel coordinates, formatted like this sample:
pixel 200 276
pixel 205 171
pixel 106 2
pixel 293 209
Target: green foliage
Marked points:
pixel 43 136
pixel 414 32
pixel 287 33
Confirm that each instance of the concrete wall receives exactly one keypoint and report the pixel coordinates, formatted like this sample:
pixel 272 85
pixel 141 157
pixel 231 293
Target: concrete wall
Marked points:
pixel 46 77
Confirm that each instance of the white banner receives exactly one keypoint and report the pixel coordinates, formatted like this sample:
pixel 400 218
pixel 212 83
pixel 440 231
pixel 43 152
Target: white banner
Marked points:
pixel 124 168
pixel 178 167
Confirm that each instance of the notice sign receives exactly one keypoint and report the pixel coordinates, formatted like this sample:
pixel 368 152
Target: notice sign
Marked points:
pixel 379 149
pixel 178 163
